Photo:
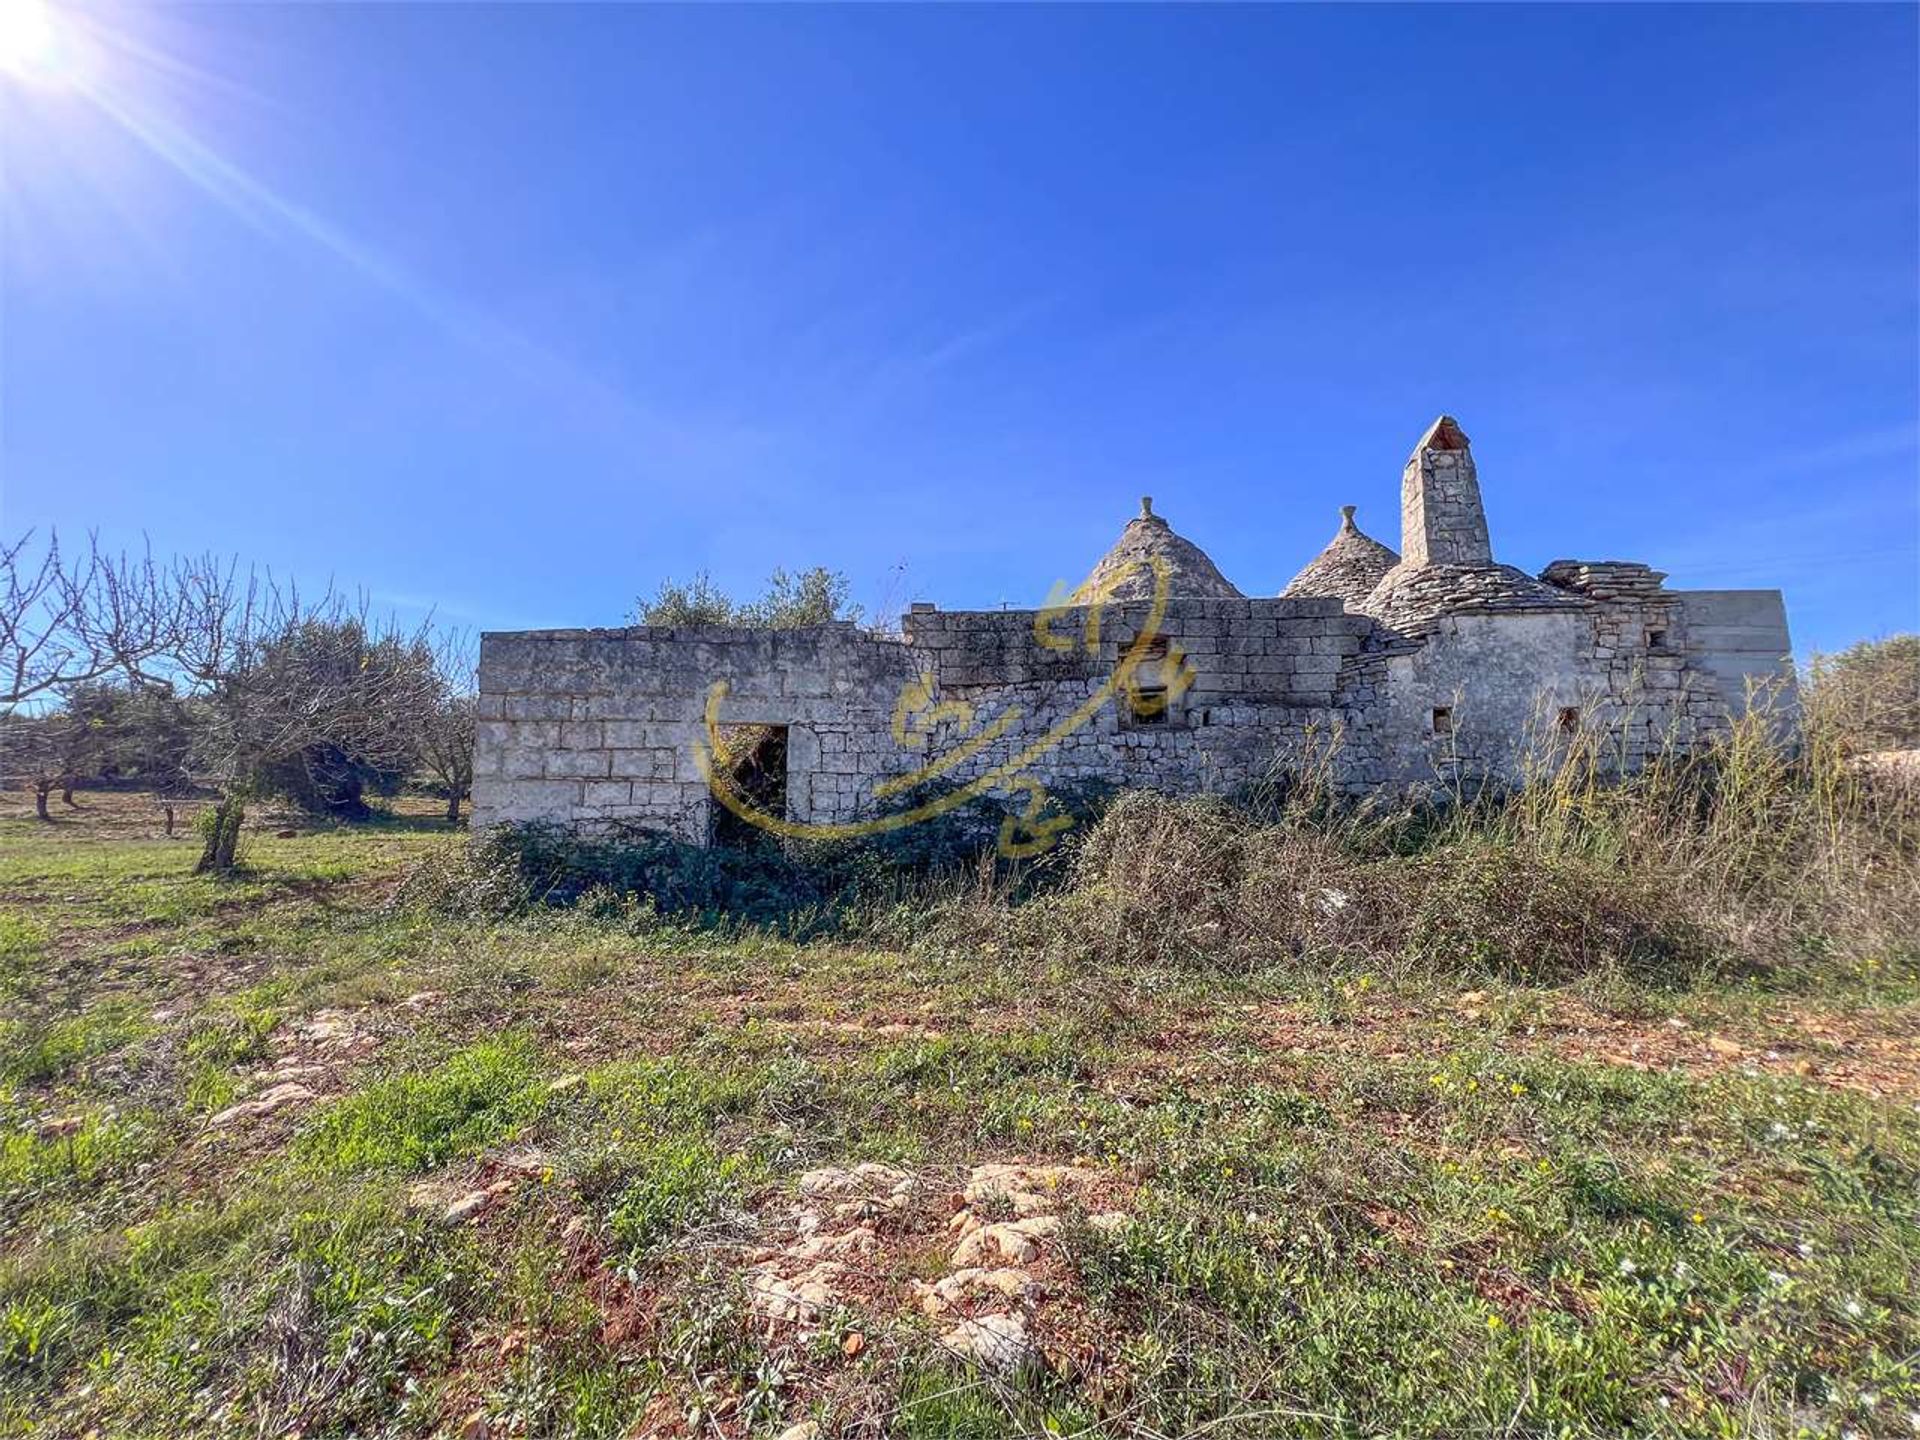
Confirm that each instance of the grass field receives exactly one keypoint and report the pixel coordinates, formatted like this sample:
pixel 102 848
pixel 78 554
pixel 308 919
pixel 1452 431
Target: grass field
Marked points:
pixel 280 1156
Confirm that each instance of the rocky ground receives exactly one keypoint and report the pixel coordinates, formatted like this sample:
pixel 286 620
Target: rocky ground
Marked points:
pixel 284 1157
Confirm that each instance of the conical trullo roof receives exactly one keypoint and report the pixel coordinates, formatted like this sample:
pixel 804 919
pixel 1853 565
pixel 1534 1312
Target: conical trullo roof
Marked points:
pixel 1348 568
pixel 1121 576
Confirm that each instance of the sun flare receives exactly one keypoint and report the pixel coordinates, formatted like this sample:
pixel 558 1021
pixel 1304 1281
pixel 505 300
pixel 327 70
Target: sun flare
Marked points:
pixel 33 44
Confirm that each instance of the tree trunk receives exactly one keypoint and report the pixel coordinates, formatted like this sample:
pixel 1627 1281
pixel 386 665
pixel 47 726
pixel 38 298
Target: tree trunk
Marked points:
pixel 168 810
pixel 66 794
pixel 453 807
pixel 223 838
pixel 40 802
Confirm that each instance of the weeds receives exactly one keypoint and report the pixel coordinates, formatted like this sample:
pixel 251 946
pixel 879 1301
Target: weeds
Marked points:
pixel 413 1122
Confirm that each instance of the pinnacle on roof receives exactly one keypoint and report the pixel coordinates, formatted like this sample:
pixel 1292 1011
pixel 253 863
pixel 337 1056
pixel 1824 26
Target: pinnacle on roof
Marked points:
pixel 1120 576
pixel 1348 568
pixel 1442 521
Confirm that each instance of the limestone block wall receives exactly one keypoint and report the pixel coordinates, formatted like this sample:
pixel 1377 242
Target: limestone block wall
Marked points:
pixel 1516 688
pixel 1264 679
pixel 1740 638
pixel 591 727
pixel 595 727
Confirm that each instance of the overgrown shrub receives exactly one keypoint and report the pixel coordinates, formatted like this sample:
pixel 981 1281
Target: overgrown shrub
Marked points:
pixel 801 889
pixel 1870 693
pixel 1753 855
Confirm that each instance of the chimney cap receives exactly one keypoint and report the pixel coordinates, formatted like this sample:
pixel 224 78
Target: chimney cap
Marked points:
pixel 1444 434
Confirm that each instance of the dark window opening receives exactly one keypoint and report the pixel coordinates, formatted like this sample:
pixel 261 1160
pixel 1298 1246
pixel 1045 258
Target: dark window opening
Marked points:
pixel 1569 720
pixel 1656 639
pixel 1149 704
pixel 1442 720
pixel 752 764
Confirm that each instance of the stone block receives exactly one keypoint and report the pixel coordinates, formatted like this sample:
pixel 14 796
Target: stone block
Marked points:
pixel 603 793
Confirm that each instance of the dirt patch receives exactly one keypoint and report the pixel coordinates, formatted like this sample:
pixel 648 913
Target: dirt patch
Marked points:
pixel 1873 1052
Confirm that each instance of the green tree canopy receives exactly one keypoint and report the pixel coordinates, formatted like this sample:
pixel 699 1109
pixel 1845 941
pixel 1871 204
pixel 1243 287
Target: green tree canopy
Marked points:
pixel 810 597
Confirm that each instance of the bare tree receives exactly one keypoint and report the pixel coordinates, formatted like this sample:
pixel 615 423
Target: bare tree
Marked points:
pixel 68 619
pixel 265 663
pixel 54 749
pixel 445 719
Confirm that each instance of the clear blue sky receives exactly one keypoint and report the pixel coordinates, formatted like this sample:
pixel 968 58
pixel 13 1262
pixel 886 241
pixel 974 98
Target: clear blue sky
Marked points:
pixel 517 310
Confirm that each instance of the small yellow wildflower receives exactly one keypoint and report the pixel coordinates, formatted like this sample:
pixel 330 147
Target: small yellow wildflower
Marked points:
pixel 1517 1088
pixel 1473 1085
pixel 1494 1322
pixel 1698 1218
pixel 1545 1168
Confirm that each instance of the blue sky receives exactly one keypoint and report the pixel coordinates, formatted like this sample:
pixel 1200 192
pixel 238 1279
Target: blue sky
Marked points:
pixel 515 311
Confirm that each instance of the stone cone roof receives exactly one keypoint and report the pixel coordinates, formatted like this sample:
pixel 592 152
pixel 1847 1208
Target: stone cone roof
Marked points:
pixel 1410 599
pixel 1193 575
pixel 1351 565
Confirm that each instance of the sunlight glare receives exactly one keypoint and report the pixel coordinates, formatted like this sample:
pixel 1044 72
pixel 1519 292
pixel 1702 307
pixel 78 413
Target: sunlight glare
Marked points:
pixel 33 45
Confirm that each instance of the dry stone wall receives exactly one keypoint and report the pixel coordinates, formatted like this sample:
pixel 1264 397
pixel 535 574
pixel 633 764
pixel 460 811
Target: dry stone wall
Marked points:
pixel 592 728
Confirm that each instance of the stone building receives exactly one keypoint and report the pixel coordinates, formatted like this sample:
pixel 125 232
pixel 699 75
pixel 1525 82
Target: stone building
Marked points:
pixel 1435 665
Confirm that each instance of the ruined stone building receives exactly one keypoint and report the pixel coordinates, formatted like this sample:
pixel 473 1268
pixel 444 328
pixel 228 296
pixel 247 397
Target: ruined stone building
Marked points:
pixel 1431 666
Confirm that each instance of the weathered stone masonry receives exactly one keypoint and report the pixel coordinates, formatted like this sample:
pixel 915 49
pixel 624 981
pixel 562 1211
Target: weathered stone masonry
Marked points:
pixel 1398 671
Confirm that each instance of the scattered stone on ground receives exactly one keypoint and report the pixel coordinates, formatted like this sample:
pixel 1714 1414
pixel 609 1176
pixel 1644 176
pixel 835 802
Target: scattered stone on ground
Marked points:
pixel 474 1201
pixel 1015 1242
pixel 421 999
pixel 327 1027
pixel 1030 1189
pixel 995 1342
pixel 805 1430
pixel 862 1179
pixel 289 1068
pixel 1004 1283
pixel 857 1234
pixel 279 1097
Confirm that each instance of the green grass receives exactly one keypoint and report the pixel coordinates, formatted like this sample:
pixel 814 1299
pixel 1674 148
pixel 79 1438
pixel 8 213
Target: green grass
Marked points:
pixel 414 1122
pixel 1353 1210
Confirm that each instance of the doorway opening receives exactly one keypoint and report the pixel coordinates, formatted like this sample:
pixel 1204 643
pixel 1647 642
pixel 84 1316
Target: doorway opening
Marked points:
pixel 753 761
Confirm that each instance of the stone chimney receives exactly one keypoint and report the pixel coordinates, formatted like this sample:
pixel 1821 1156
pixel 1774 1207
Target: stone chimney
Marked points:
pixel 1442 521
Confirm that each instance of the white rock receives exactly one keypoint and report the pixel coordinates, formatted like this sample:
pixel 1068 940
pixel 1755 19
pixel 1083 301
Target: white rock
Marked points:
pixel 861 1241
pixel 468 1205
pixel 1014 1181
pixel 1014 1241
pixel 805 1430
pixel 946 1293
pixel 866 1178
pixel 276 1098
pixel 993 1342
pixel 800 1299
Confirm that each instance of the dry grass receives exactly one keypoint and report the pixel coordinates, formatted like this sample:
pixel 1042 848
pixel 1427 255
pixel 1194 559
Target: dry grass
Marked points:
pixel 1751 859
